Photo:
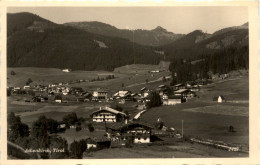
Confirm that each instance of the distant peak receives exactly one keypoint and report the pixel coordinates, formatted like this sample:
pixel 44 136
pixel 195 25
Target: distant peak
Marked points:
pixel 245 24
pixel 160 29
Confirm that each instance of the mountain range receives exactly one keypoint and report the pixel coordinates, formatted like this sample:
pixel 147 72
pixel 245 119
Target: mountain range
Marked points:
pixel 33 41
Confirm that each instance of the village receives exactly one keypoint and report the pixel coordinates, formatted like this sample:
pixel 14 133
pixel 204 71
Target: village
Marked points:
pixel 118 127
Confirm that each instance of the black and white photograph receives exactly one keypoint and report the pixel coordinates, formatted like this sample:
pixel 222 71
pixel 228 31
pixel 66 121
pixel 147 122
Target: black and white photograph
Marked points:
pixel 127 82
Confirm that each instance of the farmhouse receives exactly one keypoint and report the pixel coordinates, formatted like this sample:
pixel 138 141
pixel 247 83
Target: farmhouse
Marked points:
pixel 186 93
pixel 100 94
pixel 145 92
pixel 26 87
pixel 172 100
pixel 98 143
pixel 58 99
pixel 122 94
pixel 179 86
pixel 66 70
pixel 107 114
pixel 136 132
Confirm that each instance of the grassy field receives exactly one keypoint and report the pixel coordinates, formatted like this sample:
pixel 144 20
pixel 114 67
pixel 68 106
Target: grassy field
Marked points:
pixel 202 117
pixel 207 119
pixel 179 150
pixel 126 76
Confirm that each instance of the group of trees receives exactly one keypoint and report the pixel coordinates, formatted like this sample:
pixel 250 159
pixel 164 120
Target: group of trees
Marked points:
pixel 16 129
pixel 77 148
pixel 154 100
pixel 29 81
pixel 108 77
pixel 39 137
pixel 226 60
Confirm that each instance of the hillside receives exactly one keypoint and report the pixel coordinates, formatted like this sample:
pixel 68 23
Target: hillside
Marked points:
pixel 36 42
pixel 198 43
pixel 155 37
pixel 40 43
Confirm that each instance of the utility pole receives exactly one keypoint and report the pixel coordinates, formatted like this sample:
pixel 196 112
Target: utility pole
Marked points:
pixel 182 128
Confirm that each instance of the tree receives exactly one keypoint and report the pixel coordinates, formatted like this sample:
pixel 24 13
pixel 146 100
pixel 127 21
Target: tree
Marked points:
pixel 16 128
pixel 78 148
pixel 117 107
pixel 70 119
pixel 29 81
pixel 8 92
pixel 155 100
pixel 159 124
pixel 163 79
pixel 231 129
pixel 60 144
pixel 91 128
pixel 52 125
pixel 13 73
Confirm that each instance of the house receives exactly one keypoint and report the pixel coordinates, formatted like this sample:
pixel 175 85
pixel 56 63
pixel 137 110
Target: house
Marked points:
pixel 162 89
pixel 172 100
pixel 58 99
pixel 186 93
pixel 26 87
pixel 98 143
pixel 66 70
pixel 136 97
pixel 100 94
pixel 121 94
pixel 39 99
pixel 221 99
pixel 106 114
pixel 179 86
pixel 136 132
pixel 195 88
pixel 145 93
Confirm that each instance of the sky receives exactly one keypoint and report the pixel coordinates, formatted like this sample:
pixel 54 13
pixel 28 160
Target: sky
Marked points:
pixel 175 19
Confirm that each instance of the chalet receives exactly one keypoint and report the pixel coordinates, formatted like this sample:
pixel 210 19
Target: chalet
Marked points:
pixel 136 97
pixel 162 89
pixel 98 143
pixel 179 86
pixel 58 99
pixel 172 100
pixel 195 88
pixel 136 132
pixel 100 94
pixel 122 94
pixel 145 93
pixel 186 93
pixel 107 114
pixel 39 99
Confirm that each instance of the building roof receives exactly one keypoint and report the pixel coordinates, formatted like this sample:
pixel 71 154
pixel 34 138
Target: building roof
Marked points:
pixel 181 91
pixel 100 90
pixel 144 88
pixel 109 110
pixel 122 126
pixel 174 97
pixel 177 85
pixel 161 86
pixel 222 97
pixel 121 93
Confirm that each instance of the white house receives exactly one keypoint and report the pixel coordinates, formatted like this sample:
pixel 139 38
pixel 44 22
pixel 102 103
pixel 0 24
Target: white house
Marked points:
pixel 221 99
pixel 100 94
pixel 66 70
pixel 107 114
